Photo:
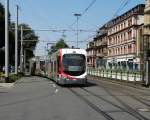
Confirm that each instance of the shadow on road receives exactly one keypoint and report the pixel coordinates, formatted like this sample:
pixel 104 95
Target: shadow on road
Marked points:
pixel 88 84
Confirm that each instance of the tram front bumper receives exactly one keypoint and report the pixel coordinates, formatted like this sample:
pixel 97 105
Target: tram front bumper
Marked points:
pixel 73 81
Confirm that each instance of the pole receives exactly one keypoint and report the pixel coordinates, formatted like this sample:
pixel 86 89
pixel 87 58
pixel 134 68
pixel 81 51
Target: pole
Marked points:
pixel 46 59
pixel 21 51
pixel 6 42
pixel 77 15
pixel 77 30
pixel 24 60
pixel 16 43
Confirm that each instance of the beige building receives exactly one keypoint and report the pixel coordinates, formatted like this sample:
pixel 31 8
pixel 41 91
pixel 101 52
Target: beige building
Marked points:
pixel 118 43
pixel 124 39
pixel 91 54
pixel 147 24
pixel 97 49
pixel 100 44
pixel 147 17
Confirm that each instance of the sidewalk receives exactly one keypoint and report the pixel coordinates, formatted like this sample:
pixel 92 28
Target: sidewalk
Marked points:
pixel 136 85
pixel 6 85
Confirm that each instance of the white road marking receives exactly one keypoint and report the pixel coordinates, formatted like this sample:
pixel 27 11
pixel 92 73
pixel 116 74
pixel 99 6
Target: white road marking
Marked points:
pixel 51 82
pixel 143 110
pixel 56 90
pixel 54 85
pixel 6 85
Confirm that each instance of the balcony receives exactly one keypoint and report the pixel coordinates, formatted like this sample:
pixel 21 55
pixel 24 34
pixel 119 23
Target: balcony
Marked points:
pixel 101 54
pixel 147 7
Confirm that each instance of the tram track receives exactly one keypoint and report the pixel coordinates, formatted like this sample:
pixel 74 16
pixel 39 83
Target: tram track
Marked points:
pixel 127 107
pixel 115 105
pixel 93 106
pixel 138 98
pixel 122 105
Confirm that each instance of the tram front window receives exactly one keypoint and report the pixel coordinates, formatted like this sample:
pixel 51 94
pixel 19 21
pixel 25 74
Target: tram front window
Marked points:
pixel 74 64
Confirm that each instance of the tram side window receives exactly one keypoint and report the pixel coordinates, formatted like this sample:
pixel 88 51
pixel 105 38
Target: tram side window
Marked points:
pixel 58 64
pixel 55 66
pixel 51 66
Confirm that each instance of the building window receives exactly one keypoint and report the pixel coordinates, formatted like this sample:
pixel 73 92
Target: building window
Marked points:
pixel 113 52
pixel 133 48
pixel 124 24
pixel 124 36
pixel 130 48
pixel 118 38
pixel 110 41
pixel 129 22
pixel 121 26
pixel 118 51
pixel 121 38
pixel 130 35
pixel 118 27
pixel 125 50
pixel 114 40
pixel 114 30
pixel 121 51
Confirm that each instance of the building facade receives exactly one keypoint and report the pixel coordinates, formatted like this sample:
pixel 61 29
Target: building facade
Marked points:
pixel 124 41
pixel 117 44
pixel 97 49
pixel 91 54
pixel 100 45
pixel 147 22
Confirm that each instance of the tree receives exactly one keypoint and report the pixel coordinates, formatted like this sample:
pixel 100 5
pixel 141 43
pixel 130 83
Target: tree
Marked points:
pixel 2 39
pixel 2 35
pixel 30 45
pixel 60 44
pixel 29 35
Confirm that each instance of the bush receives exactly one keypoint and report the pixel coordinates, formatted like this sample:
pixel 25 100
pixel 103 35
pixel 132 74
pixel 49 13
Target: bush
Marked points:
pixel 14 77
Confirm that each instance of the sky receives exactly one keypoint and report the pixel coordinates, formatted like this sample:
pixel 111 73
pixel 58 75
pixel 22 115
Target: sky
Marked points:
pixel 59 14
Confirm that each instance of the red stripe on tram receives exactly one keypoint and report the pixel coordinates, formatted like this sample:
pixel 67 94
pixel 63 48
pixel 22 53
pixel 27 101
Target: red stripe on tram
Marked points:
pixel 60 63
pixel 61 68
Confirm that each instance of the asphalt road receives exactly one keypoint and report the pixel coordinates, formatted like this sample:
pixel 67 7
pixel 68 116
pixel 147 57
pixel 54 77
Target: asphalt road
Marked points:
pixel 36 98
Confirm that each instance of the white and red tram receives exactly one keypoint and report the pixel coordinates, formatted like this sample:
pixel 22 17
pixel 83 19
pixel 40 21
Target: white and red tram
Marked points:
pixel 68 66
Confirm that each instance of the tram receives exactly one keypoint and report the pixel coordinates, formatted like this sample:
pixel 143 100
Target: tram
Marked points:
pixel 68 66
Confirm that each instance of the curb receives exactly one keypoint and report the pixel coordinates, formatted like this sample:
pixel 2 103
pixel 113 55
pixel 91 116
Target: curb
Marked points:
pixel 6 85
pixel 121 83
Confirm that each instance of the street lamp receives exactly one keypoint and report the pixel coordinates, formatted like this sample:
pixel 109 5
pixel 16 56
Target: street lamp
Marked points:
pixel 6 41
pixel 16 42
pixel 46 57
pixel 77 15
pixel 21 51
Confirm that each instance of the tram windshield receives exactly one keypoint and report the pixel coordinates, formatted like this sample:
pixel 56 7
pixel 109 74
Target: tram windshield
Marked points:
pixel 74 64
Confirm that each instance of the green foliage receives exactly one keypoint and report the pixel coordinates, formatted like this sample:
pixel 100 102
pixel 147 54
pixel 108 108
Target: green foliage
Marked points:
pixel 60 44
pixel 13 77
pixel 28 35
pixel 2 35
pixel 2 39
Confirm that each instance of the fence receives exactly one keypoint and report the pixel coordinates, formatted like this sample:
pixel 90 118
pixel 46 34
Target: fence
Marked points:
pixel 116 75
pixel 2 78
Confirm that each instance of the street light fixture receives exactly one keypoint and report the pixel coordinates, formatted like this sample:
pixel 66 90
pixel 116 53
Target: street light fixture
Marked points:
pixel 6 41
pixel 77 15
pixel 16 42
